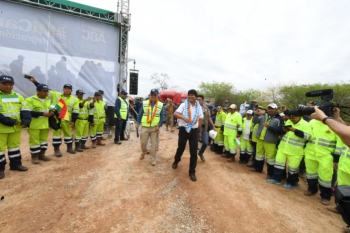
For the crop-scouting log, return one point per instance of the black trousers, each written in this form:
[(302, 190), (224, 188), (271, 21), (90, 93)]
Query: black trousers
[(253, 151), (192, 137), (326, 193), (119, 129)]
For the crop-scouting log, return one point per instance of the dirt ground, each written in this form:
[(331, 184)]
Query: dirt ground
[(110, 190)]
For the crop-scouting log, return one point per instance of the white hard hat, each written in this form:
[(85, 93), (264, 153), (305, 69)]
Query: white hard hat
[(233, 106), (212, 134)]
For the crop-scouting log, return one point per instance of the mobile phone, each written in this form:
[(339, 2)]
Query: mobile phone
[(28, 77)]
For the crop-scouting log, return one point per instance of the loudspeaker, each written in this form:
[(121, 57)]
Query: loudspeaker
[(134, 82)]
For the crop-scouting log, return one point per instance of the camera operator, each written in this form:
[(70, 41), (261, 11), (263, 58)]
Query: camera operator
[(343, 163)]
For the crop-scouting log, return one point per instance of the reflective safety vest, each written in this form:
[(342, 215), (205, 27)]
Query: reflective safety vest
[(11, 106), (124, 107), (36, 104), (156, 118), (321, 141), (264, 129), (84, 111), (54, 96), (292, 144), (244, 126), (233, 124), (344, 152), (98, 112), (220, 119), (254, 132)]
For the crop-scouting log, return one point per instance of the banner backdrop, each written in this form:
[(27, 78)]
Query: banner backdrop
[(56, 49)]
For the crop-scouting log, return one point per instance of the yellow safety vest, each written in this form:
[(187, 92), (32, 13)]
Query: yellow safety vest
[(84, 111), (233, 123), (99, 112), (156, 118), (10, 106), (220, 119), (35, 104)]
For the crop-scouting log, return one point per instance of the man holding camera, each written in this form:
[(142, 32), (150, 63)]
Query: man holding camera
[(39, 106), (14, 116)]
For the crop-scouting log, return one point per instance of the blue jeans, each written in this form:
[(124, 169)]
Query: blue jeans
[(119, 129), (205, 140)]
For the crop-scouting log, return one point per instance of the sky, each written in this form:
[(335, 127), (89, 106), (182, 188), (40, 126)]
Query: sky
[(249, 43)]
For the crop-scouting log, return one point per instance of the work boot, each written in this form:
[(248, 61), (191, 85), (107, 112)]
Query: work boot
[(43, 157), (201, 156), (142, 156), (82, 146), (153, 162), (232, 159), (77, 147), (309, 193), (325, 202), (2, 175), (57, 151), (35, 158), (70, 148), (93, 144), (19, 168), (99, 142), (333, 210)]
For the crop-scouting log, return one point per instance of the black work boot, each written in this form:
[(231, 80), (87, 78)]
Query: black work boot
[(2, 175), (57, 151), (77, 147), (43, 157), (18, 168), (70, 148), (232, 158), (220, 150), (82, 145), (35, 158)]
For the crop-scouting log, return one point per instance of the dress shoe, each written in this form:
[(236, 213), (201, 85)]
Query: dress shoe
[(201, 156), (253, 170), (309, 193), (124, 139), (250, 165), (118, 143), (193, 177), (2, 175), (174, 166), (19, 168), (333, 210)]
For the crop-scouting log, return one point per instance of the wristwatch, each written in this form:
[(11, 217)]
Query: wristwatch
[(325, 119)]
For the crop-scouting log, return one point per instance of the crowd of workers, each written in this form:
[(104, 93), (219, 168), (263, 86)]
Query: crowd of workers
[(283, 140)]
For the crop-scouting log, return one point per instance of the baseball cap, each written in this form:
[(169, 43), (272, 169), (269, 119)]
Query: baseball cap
[(42, 87), (233, 106), (254, 101), (155, 91), (79, 92), (97, 93), (250, 112), (273, 105), (6, 79), (123, 92), (68, 85), (260, 107)]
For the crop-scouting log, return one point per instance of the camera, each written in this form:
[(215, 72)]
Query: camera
[(325, 105)]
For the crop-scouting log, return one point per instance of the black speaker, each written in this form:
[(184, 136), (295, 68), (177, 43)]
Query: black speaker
[(134, 82)]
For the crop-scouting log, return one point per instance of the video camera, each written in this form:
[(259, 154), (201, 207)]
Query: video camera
[(325, 105)]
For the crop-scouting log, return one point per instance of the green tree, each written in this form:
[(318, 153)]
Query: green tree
[(220, 91)]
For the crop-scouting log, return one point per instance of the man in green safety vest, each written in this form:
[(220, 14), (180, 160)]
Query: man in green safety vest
[(232, 131), (121, 115), (219, 125), (14, 116), (97, 119), (82, 123), (151, 117), (39, 106)]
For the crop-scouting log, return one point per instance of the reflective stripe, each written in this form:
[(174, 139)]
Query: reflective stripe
[(11, 114), (328, 141), (280, 167), (327, 184), (13, 149), (326, 145), (234, 127), (296, 140), (259, 157), (11, 108), (271, 161), (15, 155), (295, 144), (2, 159)]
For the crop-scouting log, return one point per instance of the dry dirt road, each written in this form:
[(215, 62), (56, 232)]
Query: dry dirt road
[(110, 190)]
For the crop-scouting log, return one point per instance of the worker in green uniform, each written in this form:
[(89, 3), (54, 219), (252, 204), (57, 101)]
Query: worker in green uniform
[(39, 106), (14, 116), (82, 123), (99, 115)]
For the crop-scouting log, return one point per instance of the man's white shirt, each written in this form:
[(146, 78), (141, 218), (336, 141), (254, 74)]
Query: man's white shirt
[(181, 110)]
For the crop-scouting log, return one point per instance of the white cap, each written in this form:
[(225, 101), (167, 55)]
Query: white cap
[(273, 105), (212, 134), (233, 106), (249, 112)]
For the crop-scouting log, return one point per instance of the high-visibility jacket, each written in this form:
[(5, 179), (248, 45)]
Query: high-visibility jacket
[(98, 111), (11, 106), (321, 141), (244, 124), (220, 119), (38, 105), (343, 151), (54, 96), (72, 104), (84, 111), (156, 118), (233, 124), (124, 107), (254, 131), (292, 144)]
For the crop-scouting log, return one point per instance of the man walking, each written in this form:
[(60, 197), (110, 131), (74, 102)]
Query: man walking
[(121, 116), (190, 115), (151, 118), (204, 127)]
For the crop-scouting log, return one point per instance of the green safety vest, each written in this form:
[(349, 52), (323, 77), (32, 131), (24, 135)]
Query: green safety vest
[(254, 132), (233, 123), (292, 144), (98, 112), (156, 118), (35, 104), (84, 111), (244, 126), (11, 106), (220, 119), (321, 141), (54, 96), (344, 152), (123, 111), (264, 129)]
